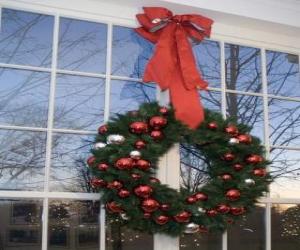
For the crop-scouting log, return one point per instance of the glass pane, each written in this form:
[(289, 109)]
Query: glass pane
[(26, 38), (79, 102), (286, 170), (22, 160), (283, 74), (243, 68), (130, 53), (248, 110), (284, 122), (24, 97), (126, 95), (249, 232), (285, 226), (21, 224), (201, 241), (211, 100), (82, 45), (69, 171), (207, 54), (118, 238), (73, 225)]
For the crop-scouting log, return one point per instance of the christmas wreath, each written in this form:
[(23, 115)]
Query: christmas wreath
[(124, 163)]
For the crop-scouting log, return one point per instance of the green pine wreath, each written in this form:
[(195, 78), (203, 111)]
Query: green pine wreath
[(125, 160)]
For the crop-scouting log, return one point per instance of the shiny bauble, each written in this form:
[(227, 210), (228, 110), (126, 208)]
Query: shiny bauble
[(183, 217), (226, 177), (138, 127), (143, 191), (124, 216), (140, 144), (228, 157), (260, 172), (238, 167), (201, 196), (150, 205), (154, 180), (223, 208), (163, 110), (254, 159), (249, 182), (123, 193), (157, 122), (99, 145), (124, 164), (134, 154), (191, 200), (233, 141), (212, 126), (212, 213), (98, 183), (191, 228), (233, 194), (164, 207), (115, 185), (232, 130), (102, 129), (91, 160), (114, 207), (162, 219), (102, 166), (157, 135), (244, 139), (237, 210), (115, 139), (143, 164), (136, 176)]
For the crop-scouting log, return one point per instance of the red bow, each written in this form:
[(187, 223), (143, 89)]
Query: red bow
[(173, 64)]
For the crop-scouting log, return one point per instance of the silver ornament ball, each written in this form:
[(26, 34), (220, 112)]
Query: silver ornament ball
[(115, 139), (233, 141), (136, 155), (250, 182), (99, 145), (191, 228), (201, 210), (124, 216)]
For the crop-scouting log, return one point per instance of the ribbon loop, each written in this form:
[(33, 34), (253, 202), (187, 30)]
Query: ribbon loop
[(173, 65)]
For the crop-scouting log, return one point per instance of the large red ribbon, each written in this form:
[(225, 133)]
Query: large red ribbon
[(173, 65)]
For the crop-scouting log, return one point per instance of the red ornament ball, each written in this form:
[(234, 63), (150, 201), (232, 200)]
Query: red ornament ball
[(211, 213), (233, 194), (138, 127), (163, 110), (203, 229), (254, 159), (123, 193), (150, 205), (136, 176), (114, 207), (237, 210), (244, 139), (115, 185), (223, 208), (164, 207), (228, 157), (154, 180), (157, 135), (201, 196), (124, 164), (212, 126), (183, 217), (143, 191), (140, 144), (260, 172), (102, 166), (95, 182), (232, 130), (143, 164), (162, 219), (158, 122), (191, 200), (91, 160), (147, 215), (102, 129), (238, 167), (226, 177)]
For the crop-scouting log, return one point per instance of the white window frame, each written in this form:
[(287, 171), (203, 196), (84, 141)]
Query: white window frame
[(160, 242)]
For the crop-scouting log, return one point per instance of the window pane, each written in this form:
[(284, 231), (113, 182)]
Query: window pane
[(286, 168), (22, 160), (126, 95), (21, 224), (79, 102), (118, 237), (249, 232), (285, 226), (201, 241), (211, 100), (130, 52), (24, 97), (243, 68), (82, 45), (74, 225), (26, 38), (283, 74), (248, 110), (284, 122), (69, 171), (207, 54)]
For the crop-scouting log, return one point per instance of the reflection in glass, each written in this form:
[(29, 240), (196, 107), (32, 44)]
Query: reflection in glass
[(130, 53), (121, 238), (284, 122), (21, 224), (24, 97), (69, 171), (203, 241), (243, 68), (82, 45), (283, 74), (79, 102), (285, 169), (22, 160), (74, 224), (285, 226), (126, 95), (249, 232), (207, 55), (247, 110), (26, 38)]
